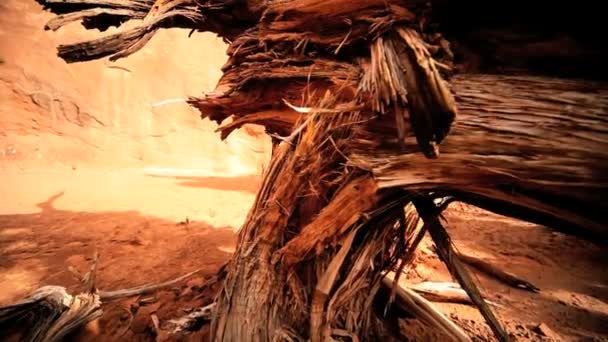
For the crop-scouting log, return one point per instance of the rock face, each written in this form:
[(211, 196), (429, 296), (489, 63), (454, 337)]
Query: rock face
[(111, 114)]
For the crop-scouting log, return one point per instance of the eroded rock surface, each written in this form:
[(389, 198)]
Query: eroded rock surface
[(103, 114)]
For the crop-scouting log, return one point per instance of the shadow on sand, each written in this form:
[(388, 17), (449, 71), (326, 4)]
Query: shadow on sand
[(37, 249)]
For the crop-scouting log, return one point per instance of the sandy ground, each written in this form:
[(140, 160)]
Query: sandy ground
[(572, 275), (51, 221), (169, 194), (111, 114), (91, 128)]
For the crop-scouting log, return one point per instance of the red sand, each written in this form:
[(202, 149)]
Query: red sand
[(38, 247), (80, 150)]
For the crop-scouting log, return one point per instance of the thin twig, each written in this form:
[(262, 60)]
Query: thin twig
[(343, 41), (295, 132), (110, 295), (118, 67), (491, 270)]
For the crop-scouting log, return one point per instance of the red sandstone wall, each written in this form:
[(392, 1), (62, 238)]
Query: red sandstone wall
[(100, 114)]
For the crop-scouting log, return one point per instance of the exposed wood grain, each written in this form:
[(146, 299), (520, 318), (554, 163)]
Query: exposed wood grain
[(332, 221), (499, 274), (49, 314), (530, 147), (64, 19)]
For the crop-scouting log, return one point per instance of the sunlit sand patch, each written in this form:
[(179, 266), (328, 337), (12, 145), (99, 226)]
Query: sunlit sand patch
[(15, 231), (18, 281), (126, 190), (171, 172), (20, 246), (226, 249)]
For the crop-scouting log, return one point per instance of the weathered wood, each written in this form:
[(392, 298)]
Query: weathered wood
[(423, 308), (64, 19), (445, 250), (49, 314), (535, 148), (493, 271), (101, 14), (122, 43), (253, 288), (190, 322), (141, 290), (529, 147), (442, 292), (322, 230), (129, 4), (517, 148)]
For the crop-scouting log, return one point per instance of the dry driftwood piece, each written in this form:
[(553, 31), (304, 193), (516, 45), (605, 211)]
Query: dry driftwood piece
[(154, 14), (442, 292), (190, 322), (505, 277), (446, 292), (426, 311), (144, 289), (49, 314), (360, 89)]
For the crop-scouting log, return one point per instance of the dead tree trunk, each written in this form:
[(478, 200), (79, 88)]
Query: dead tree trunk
[(533, 148), (329, 220)]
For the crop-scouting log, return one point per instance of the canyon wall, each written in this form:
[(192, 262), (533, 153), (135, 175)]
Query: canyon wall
[(112, 114)]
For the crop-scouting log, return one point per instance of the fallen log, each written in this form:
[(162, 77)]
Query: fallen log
[(528, 147), (534, 148)]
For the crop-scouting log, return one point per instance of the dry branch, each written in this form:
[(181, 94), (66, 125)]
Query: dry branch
[(445, 249), (64, 19), (144, 289), (319, 329), (49, 314), (427, 312), (503, 276), (190, 322), (123, 43), (442, 292), (101, 14)]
